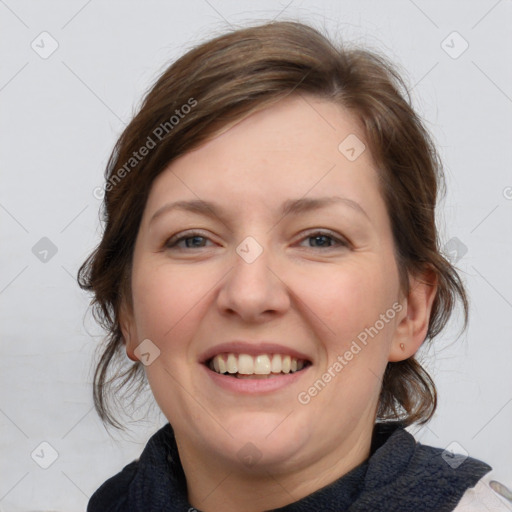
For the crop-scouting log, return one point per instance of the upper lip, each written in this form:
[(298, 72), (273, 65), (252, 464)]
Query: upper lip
[(252, 348)]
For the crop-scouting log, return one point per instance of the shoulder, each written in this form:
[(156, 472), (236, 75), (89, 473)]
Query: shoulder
[(112, 495), (156, 474), (487, 495), (404, 474)]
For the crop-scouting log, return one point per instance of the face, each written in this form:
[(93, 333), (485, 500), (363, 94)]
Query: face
[(264, 277)]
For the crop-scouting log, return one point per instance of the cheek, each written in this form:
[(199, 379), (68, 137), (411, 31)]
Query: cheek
[(167, 300), (349, 298), (169, 304), (356, 340)]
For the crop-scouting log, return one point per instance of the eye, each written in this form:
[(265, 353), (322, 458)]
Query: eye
[(323, 240), (190, 240), (197, 240)]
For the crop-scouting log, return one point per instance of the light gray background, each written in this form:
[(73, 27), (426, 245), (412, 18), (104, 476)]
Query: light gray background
[(60, 118)]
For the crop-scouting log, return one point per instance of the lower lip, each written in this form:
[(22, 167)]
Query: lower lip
[(254, 386)]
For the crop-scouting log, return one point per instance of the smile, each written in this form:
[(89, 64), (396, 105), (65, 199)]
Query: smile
[(261, 366)]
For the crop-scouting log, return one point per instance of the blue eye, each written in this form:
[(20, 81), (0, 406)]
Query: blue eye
[(190, 241), (321, 240), (315, 240)]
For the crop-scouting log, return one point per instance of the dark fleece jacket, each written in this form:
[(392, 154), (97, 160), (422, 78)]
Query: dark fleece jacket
[(400, 475)]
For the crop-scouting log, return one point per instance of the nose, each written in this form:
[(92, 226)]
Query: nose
[(253, 291)]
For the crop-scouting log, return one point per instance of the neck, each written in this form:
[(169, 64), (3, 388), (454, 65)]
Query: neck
[(230, 487)]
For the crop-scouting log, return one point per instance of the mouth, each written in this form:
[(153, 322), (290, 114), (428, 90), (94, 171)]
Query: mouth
[(257, 367)]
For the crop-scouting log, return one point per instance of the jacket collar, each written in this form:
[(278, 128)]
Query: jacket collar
[(400, 474)]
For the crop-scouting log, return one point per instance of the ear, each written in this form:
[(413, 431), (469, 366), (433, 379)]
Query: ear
[(127, 325), (412, 327)]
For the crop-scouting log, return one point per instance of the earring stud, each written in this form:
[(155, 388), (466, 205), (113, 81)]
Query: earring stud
[(402, 346)]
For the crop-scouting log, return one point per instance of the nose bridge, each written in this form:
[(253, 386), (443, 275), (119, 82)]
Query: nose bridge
[(252, 288)]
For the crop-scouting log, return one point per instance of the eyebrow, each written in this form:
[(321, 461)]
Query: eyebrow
[(291, 206)]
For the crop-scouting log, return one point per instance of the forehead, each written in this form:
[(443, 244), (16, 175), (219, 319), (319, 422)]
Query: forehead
[(300, 146)]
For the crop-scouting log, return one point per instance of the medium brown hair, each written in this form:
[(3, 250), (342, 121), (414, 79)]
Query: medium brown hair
[(225, 80)]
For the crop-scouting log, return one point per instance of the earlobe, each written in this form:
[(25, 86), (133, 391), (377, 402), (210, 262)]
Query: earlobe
[(412, 328), (130, 351), (126, 325)]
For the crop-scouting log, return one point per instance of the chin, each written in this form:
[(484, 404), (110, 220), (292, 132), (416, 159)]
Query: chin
[(261, 440)]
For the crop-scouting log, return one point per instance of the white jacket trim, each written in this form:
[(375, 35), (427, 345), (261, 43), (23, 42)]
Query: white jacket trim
[(488, 495)]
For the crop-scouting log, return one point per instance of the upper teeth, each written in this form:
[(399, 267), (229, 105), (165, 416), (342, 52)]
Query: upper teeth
[(262, 364)]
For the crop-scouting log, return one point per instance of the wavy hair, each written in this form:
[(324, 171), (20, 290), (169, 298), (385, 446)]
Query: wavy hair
[(230, 77)]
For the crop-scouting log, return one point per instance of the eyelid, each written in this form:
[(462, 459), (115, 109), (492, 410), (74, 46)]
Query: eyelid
[(343, 241), (190, 233)]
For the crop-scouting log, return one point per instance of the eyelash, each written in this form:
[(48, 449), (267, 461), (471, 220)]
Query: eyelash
[(173, 242)]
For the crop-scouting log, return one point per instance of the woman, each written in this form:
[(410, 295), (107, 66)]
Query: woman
[(270, 262)]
